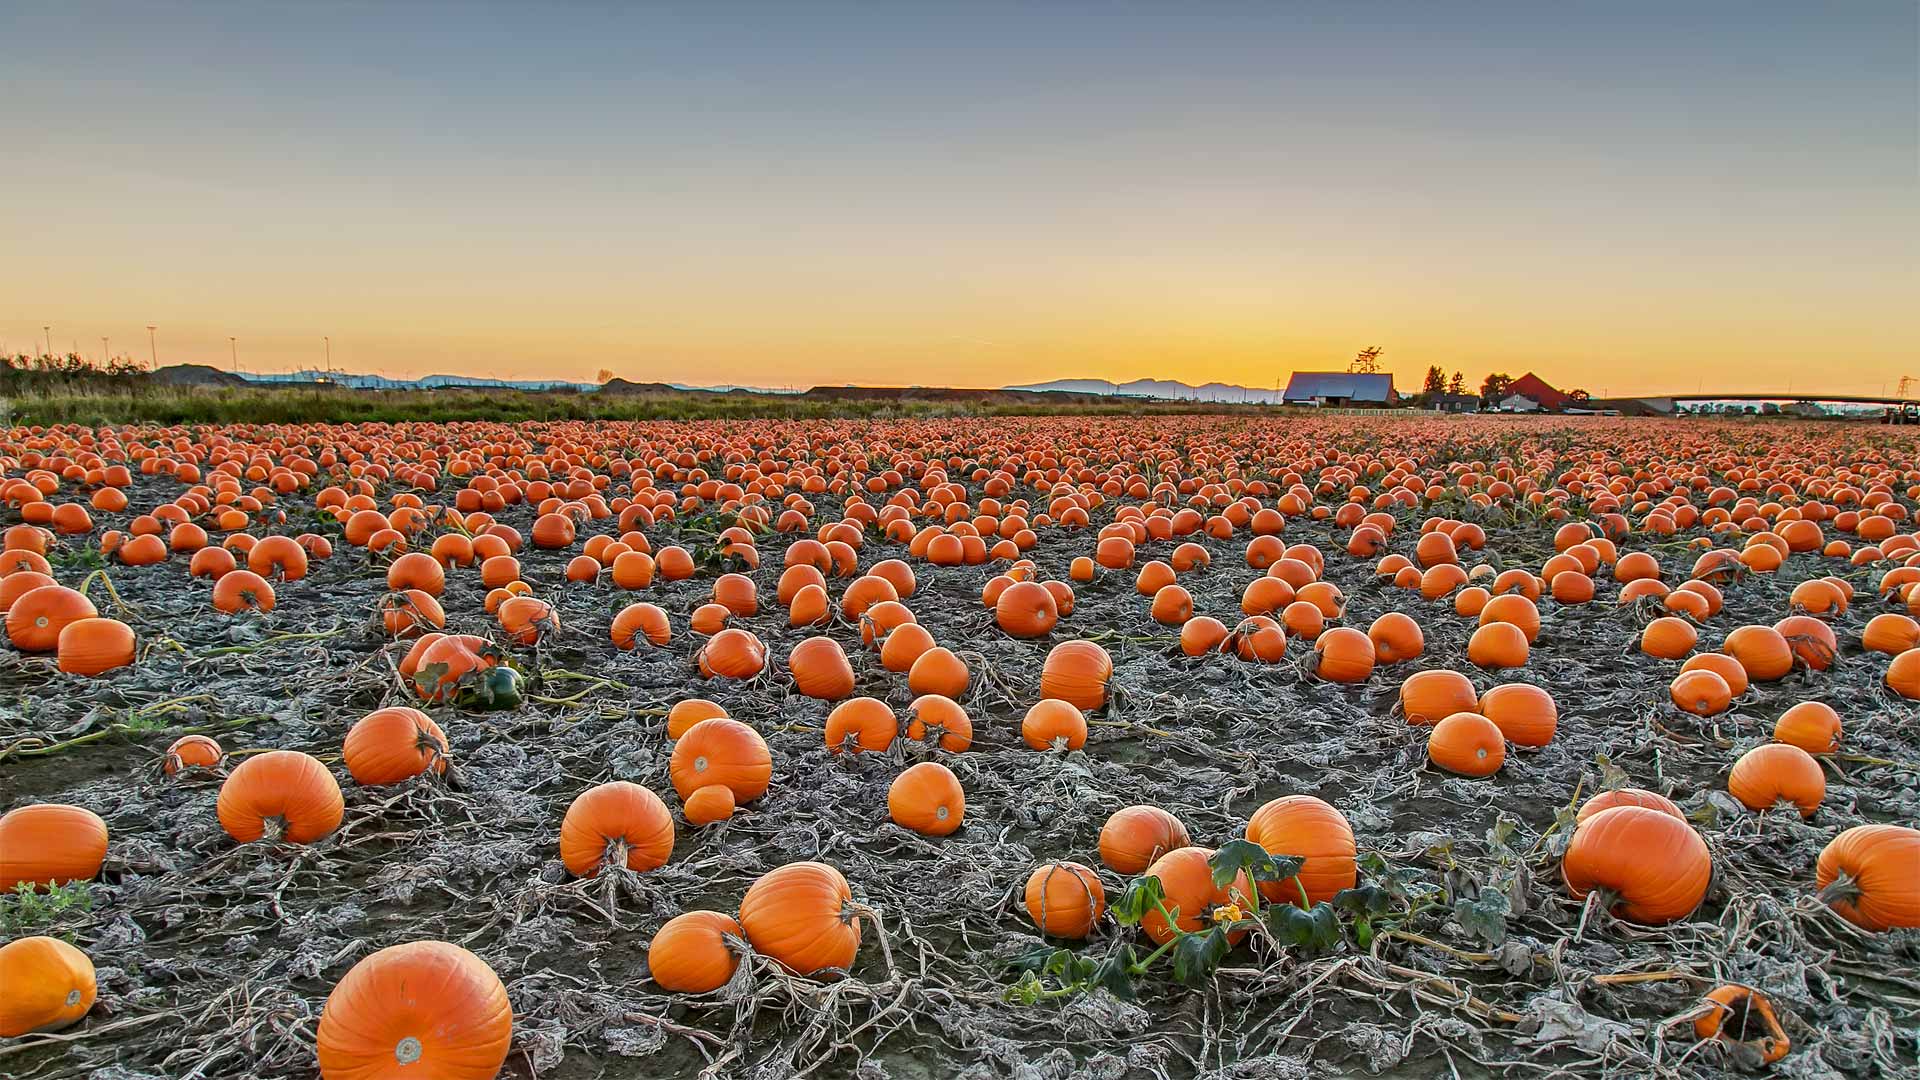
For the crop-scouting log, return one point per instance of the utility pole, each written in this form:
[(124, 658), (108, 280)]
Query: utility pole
[(48, 330), (153, 347), (233, 344), (106, 354), (328, 342)]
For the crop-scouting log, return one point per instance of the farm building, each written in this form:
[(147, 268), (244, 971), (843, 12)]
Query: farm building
[(1453, 403), (1339, 388), (1518, 403), (1543, 395)]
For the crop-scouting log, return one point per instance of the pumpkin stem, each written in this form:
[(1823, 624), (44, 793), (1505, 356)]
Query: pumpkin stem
[(1594, 899), (854, 909), (612, 866), (1842, 889)]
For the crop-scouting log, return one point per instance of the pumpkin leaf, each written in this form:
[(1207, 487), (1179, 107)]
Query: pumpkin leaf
[(1317, 930), (1142, 895), (1484, 916), (1197, 956), (1114, 974), (1395, 880), (1236, 857), (428, 677), (1611, 776), (1370, 901), (1503, 829)]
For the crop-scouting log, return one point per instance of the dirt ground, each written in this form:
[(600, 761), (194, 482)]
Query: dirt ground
[(214, 959)]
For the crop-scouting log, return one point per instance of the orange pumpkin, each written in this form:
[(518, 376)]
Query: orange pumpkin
[(1650, 866), (1077, 672), (1468, 744), (284, 794), (393, 744), (1306, 828), (802, 915), (45, 985), (1052, 722), (940, 717), (95, 646), (1773, 772), (690, 955), (617, 821), (928, 799), (719, 750), (1812, 726), (46, 844), (1526, 715), (1065, 899), (820, 669), (1866, 874), (36, 617), (428, 1004), (1135, 836)]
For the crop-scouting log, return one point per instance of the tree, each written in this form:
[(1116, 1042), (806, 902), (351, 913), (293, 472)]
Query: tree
[(606, 376), (1367, 361), (1495, 386), (1579, 397), (1436, 381), (1457, 384)]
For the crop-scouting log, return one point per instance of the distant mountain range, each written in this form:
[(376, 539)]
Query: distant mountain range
[(206, 375), (1161, 388)]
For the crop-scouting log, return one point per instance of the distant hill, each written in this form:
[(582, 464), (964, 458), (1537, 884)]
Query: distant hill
[(1159, 388), (196, 375)]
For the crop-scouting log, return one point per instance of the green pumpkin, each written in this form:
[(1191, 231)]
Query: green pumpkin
[(497, 688)]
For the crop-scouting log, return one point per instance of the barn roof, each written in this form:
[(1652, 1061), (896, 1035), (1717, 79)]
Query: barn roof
[(1535, 387), (1354, 386)]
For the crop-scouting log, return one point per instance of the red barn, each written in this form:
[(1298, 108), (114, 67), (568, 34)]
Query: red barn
[(1533, 386)]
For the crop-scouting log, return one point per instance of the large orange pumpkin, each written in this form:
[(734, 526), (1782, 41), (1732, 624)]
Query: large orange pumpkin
[(1077, 672), (690, 954), (802, 915), (425, 1008), (719, 750), (616, 820), (1868, 875), (46, 844), (45, 985), (393, 744), (1652, 864), (1304, 827), (283, 792)]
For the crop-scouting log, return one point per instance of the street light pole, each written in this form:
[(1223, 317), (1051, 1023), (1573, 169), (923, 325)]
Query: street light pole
[(233, 343), (48, 330), (153, 347)]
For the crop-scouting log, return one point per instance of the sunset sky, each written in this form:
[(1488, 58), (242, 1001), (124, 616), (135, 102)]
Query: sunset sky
[(1630, 197)]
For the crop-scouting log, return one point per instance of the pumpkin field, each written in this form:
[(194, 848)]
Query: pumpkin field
[(1024, 747)]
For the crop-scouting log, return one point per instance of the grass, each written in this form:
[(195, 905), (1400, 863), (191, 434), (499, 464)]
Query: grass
[(42, 390)]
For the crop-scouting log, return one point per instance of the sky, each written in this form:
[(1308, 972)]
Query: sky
[(1628, 197)]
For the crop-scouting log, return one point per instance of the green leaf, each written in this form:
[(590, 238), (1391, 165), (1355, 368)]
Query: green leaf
[(1394, 879), (1197, 956), (1236, 857), (1142, 895), (1113, 974), (1485, 916), (1314, 930), (1370, 901)]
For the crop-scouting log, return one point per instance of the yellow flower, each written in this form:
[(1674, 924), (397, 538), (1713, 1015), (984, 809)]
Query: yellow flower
[(1227, 913)]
